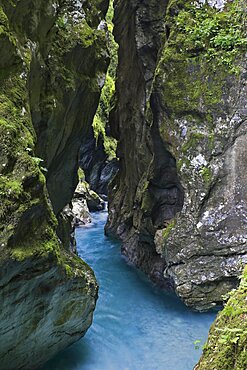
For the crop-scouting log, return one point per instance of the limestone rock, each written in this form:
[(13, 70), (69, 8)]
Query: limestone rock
[(139, 31), (80, 212), (46, 305), (93, 200)]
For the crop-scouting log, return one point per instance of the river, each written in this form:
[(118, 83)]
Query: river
[(136, 326)]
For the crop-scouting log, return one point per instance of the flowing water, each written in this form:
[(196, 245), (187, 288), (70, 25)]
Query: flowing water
[(136, 326)]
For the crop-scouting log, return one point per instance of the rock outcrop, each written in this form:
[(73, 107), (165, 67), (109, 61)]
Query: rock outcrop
[(226, 348), (53, 63), (179, 200), (93, 201)]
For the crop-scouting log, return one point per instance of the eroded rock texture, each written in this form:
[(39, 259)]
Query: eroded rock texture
[(139, 30), (179, 200), (53, 60), (99, 169)]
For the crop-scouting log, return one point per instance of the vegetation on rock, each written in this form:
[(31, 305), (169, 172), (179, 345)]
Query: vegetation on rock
[(49, 92), (101, 119), (218, 35), (226, 348)]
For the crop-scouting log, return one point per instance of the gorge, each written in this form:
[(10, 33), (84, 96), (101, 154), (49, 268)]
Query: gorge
[(136, 326), (170, 140)]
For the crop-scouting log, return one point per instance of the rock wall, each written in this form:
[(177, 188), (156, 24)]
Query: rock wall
[(97, 155), (179, 200), (53, 62), (98, 166), (139, 31)]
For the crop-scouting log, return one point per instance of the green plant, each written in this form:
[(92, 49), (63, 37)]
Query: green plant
[(197, 344), (218, 35)]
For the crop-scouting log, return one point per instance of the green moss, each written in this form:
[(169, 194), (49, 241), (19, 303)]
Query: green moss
[(72, 33), (102, 116), (11, 188), (194, 140), (110, 146), (206, 174), (27, 222), (168, 229), (24, 207), (3, 18), (39, 248), (184, 161), (189, 87), (81, 175), (226, 348), (69, 271), (98, 127), (218, 36), (195, 50)]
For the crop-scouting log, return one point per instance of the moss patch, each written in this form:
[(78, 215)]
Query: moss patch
[(168, 229), (226, 348), (217, 35)]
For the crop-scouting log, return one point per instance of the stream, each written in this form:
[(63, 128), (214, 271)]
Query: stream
[(136, 326)]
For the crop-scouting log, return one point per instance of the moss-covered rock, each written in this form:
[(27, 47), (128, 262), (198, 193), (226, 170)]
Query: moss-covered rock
[(180, 119), (98, 156), (226, 348), (200, 91), (53, 59), (139, 32)]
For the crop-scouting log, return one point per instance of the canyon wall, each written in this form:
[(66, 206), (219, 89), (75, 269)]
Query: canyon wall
[(179, 201), (52, 69)]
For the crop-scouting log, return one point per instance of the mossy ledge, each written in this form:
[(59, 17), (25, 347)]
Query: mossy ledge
[(49, 95)]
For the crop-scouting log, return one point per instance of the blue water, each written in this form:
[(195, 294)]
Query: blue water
[(136, 326)]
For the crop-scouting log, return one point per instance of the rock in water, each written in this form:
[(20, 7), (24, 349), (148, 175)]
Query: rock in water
[(179, 200), (53, 59), (93, 200), (81, 212)]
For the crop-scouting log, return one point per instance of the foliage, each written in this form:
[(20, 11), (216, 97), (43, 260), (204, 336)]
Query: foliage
[(219, 35), (101, 118), (226, 348)]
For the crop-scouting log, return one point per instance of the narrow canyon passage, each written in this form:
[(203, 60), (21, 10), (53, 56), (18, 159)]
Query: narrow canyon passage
[(135, 327)]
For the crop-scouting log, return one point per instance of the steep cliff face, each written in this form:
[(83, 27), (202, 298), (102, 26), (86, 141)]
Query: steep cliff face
[(97, 155), (179, 201), (139, 31), (51, 71), (98, 164)]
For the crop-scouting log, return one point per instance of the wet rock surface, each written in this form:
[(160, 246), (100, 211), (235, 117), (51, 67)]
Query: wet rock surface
[(98, 168)]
